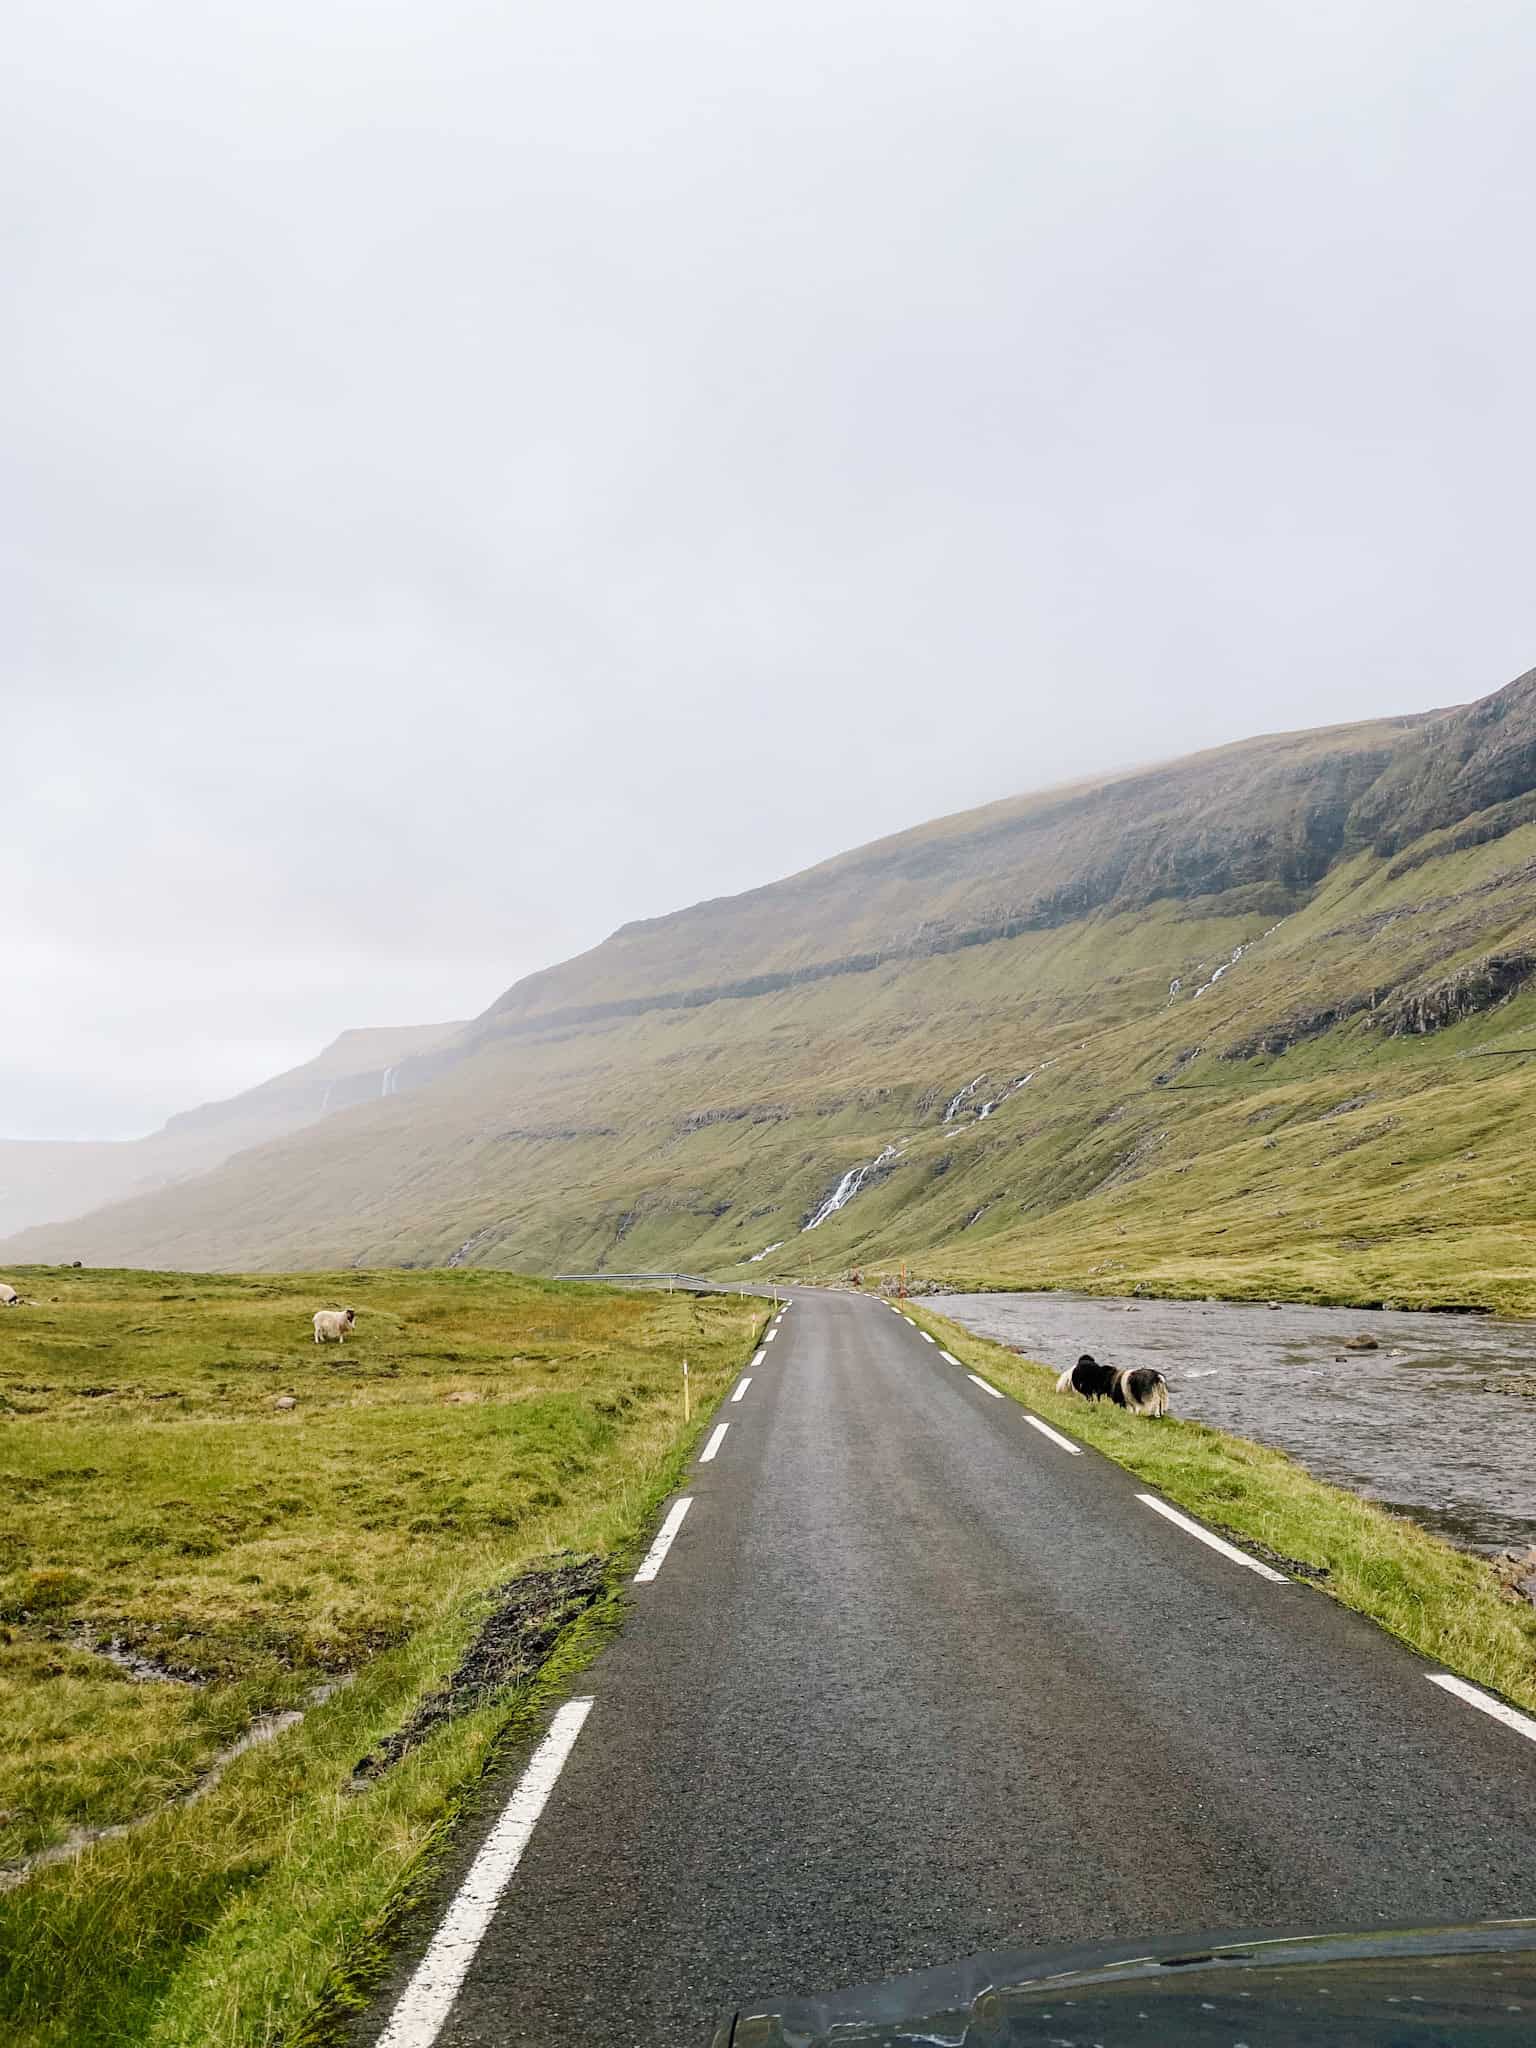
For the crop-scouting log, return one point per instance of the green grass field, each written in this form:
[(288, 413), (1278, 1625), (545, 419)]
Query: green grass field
[(331, 1559)]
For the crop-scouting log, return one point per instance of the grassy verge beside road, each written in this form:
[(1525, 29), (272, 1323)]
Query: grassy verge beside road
[(1445, 1602), (180, 1557)]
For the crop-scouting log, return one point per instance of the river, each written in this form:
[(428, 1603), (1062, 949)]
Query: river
[(1438, 1424)]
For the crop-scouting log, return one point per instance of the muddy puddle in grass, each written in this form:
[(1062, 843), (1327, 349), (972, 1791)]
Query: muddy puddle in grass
[(1438, 1423)]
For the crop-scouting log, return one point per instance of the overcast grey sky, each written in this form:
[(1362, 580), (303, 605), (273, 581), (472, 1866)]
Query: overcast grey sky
[(478, 473)]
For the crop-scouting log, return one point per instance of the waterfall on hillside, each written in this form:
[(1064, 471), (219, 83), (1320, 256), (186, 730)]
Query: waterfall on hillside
[(1237, 955), (1227, 965), (1013, 1088), (969, 1089), (848, 1187)]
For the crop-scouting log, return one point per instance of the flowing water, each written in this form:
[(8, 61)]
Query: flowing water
[(1439, 1423)]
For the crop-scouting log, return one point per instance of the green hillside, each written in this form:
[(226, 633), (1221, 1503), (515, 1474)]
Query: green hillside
[(1324, 1117)]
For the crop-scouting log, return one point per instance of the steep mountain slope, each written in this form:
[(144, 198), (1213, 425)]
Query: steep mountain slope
[(45, 1182), (1201, 1026)]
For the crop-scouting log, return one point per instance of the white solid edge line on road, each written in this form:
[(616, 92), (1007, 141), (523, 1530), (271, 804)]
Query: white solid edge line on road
[(980, 1382), (1161, 1507), (742, 1388), (1474, 1697), (428, 1998), (949, 1358), (1055, 1435), (759, 1355), (656, 1555), (716, 1440)]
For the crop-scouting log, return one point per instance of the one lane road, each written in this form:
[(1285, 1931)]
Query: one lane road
[(914, 1681)]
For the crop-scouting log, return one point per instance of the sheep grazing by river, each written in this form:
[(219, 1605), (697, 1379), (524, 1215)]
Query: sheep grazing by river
[(333, 1324), (1093, 1381), (1141, 1390)]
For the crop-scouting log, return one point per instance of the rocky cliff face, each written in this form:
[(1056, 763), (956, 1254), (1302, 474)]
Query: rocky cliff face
[(1262, 822), (1482, 985), (1455, 767)]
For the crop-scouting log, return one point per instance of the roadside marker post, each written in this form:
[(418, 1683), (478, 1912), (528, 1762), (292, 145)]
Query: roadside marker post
[(687, 1399)]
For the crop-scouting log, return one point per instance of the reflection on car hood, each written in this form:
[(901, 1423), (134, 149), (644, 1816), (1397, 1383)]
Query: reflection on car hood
[(1445, 1987)]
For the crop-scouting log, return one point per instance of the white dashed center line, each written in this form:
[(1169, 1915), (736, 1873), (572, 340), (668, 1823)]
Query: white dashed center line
[(1055, 1435), (759, 1355), (949, 1358), (977, 1379), (655, 1557), (1485, 1703), (715, 1441), (925, 1337), (771, 1335), (426, 2001), (1254, 1564), (742, 1388)]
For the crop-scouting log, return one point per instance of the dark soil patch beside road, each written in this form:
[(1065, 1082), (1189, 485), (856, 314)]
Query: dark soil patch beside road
[(530, 1613)]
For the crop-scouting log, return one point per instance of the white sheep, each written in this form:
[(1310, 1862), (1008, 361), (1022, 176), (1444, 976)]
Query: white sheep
[(9, 1298), (333, 1322)]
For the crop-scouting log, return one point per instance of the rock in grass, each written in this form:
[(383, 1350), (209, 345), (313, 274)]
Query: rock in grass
[(1516, 1572), (285, 1401)]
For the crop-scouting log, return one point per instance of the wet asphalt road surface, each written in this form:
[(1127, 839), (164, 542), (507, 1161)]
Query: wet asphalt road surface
[(913, 1682)]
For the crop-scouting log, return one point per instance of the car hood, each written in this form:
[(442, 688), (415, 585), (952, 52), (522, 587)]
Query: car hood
[(1444, 1987)]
